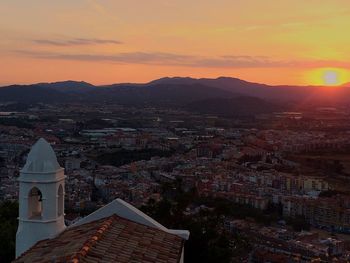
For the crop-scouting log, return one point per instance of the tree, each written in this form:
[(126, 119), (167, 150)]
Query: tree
[(328, 193), (8, 228), (299, 223), (208, 242)]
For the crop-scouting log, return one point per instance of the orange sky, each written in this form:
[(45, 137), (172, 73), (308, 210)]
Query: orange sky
[(108, 41)]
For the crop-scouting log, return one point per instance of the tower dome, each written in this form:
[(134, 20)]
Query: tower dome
[(41, 197), (41, 158)]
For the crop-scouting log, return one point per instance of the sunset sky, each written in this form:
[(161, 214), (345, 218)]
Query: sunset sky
[(109, 41)]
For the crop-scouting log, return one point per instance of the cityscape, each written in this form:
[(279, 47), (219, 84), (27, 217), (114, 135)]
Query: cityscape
[(167, 150), (282, 176)]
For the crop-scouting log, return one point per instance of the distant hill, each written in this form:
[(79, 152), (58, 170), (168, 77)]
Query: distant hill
[(239, 86), (157, 94), (127, 94), (69, 86), (174, 92), (30, 94), (304, 95)]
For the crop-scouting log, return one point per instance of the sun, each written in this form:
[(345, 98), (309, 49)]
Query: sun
[(331, 78), (328, 76)]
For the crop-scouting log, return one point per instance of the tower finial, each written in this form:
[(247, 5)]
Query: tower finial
[(41, 158)]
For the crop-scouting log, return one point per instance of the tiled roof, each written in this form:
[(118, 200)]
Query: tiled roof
[(111, 239)]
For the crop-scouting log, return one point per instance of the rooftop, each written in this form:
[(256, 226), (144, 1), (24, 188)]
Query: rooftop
[(110, 239)]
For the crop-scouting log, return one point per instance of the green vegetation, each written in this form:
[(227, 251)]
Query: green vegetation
[(299, 223), (227, 208), (94, 124), (208, 241), (20, 123), (329, 193), (8, 228), (123, 156), (16, 107), (247, 158)]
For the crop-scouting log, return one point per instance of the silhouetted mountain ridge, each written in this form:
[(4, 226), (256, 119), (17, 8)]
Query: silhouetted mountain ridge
[(31, 94), (177, 92), (69, 86), (320, 95), (157, 94)]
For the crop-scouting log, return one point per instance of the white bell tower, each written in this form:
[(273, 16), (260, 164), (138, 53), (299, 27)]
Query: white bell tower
[(41, 197)]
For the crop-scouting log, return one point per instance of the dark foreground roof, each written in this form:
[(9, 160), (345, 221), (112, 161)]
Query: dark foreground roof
[(111, 239)]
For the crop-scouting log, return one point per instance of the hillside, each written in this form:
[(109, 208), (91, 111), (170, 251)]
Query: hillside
[(174, 92), (283, 93)]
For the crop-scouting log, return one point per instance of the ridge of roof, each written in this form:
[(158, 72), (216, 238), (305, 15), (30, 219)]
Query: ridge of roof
[(93, 240), (127, 211)]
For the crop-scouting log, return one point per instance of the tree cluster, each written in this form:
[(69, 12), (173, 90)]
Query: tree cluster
[(8, 228)]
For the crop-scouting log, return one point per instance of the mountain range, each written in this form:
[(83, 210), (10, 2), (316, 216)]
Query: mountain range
[(217, 96)]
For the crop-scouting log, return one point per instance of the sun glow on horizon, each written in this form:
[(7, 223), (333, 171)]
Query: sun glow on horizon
[(328, 76)]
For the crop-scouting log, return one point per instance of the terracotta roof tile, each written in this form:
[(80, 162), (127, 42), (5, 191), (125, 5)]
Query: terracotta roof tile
[(111, 239)]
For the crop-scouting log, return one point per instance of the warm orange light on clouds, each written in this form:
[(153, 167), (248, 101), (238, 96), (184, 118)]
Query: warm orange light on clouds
[(106, 41)]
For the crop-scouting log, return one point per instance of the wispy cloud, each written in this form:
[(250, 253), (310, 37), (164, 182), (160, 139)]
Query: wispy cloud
[(241, 62), (75, 41), (171, 59), (132, 57)]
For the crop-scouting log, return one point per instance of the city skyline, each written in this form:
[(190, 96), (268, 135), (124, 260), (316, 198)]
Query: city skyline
[(175, 131), (103, 42)]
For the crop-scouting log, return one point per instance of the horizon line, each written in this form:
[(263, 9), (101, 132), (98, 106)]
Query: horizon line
[(166, 77)]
